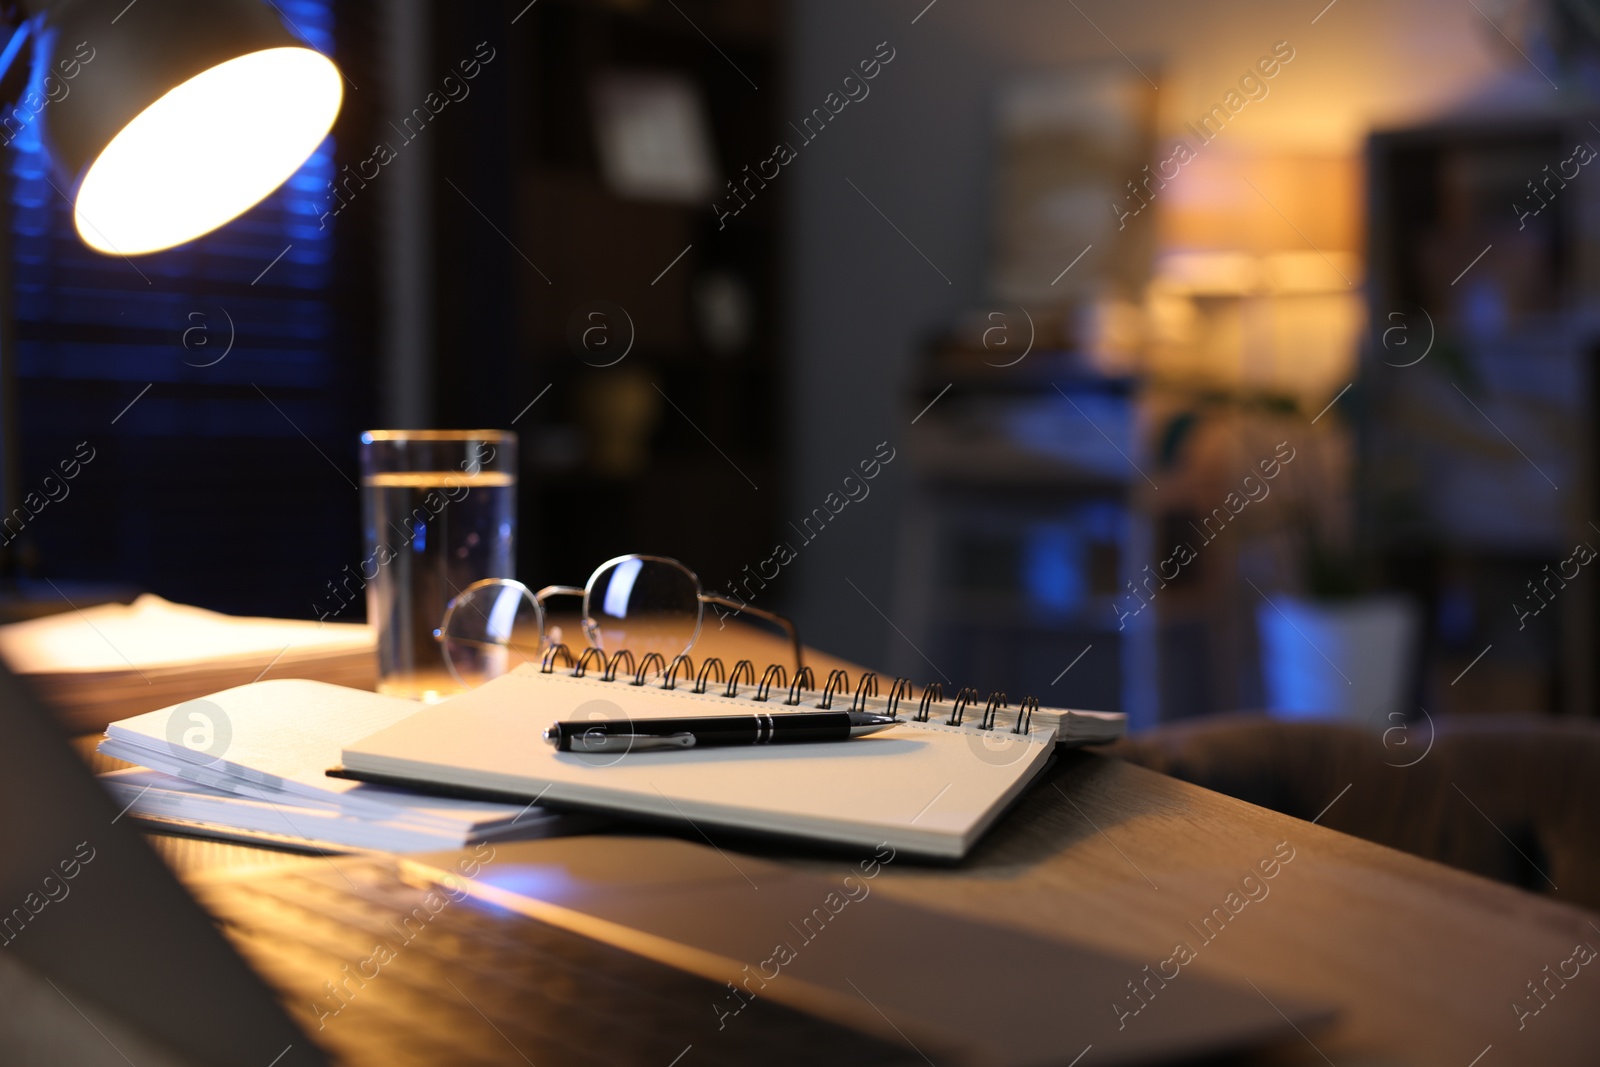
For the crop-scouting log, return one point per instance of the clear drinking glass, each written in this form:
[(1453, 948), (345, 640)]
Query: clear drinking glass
[(439, 511)]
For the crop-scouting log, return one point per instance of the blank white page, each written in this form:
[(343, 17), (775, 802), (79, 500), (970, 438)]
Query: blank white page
[(923, 787)]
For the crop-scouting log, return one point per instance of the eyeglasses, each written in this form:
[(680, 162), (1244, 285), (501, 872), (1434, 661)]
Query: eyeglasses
[(646, 604)]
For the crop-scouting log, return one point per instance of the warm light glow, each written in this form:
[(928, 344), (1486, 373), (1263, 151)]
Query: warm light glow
[(208, 151)]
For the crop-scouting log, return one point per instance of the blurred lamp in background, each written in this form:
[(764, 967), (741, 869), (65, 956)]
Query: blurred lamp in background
[(163, 120), (180, 115)]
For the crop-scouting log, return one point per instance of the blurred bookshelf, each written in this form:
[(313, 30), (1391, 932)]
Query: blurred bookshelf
[(1478, 461), (655, 326), (1022, 525)]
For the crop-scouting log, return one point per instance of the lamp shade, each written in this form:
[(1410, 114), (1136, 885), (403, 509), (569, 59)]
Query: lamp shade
[(181, 116)]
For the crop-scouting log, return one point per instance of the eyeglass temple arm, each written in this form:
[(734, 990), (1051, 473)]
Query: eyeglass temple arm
[(771, 616)]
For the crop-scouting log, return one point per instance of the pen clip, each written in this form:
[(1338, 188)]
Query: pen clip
[(600, 741)]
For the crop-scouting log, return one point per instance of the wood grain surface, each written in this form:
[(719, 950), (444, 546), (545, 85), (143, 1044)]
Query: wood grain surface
[(1422, 964)]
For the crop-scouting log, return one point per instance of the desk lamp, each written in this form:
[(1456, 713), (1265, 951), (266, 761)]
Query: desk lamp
[(180, 115), (163, 119)]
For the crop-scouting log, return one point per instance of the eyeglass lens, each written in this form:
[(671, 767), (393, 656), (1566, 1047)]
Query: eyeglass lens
[(491, 628), (644, 605)]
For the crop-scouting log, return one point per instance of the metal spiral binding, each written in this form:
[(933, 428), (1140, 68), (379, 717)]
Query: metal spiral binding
[(583, 661), (963, 698), (828, 690), (764, 689), (869, 681), (705, 669), (1025, 710), (802, 677), (744, 667), (902, 687), (550, 658), (644, 667), (776, 675), (610, 674), (670, 679)]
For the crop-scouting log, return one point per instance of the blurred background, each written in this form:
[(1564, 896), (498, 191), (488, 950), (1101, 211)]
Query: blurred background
[(1170, 358)]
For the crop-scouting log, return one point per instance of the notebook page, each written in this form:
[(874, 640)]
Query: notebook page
[(924, 787), (280, 737)]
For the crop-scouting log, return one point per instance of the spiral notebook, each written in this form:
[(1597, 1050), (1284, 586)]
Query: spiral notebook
[(930, 786)]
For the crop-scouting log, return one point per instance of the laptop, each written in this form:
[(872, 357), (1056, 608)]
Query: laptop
[(609, 949)]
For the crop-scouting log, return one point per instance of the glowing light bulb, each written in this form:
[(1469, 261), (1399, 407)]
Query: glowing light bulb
[(208, 151)]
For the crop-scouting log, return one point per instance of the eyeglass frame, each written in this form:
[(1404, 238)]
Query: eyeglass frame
[(591, 628)]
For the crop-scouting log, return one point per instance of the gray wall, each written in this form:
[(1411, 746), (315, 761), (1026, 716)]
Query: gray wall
[(861, 298)]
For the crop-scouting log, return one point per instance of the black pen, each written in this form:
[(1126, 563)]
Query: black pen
[(616, 735)]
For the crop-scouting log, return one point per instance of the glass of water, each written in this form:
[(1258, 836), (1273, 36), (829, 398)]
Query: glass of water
[(439, 510)]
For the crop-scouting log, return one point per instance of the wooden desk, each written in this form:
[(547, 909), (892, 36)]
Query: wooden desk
[(1422, 962)]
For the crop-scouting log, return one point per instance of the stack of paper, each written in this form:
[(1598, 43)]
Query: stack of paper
[(115, 660), (250, 762)]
